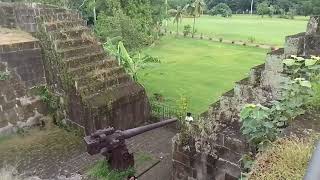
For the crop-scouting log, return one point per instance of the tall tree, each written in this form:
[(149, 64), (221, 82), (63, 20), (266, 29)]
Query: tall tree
[(178, 17), (195, 9)]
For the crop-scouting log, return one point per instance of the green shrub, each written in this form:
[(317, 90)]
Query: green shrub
[(221, 9), (187, 30), (101, 170), (133, 32), (257, 124), (261, 124), (4, 76)]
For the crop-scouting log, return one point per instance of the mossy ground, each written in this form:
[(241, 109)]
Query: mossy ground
[(40, 152)]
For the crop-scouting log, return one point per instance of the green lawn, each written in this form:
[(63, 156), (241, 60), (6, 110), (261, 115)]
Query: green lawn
[(241, 27), (197, 69)]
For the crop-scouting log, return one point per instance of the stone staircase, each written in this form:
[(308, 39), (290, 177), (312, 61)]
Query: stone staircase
[(102, 88)]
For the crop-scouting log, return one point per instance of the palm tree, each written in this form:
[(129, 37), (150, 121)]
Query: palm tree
[(178, 17), (195, 9)]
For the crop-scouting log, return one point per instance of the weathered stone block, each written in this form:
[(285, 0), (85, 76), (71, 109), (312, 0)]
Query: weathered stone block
[(312, 45), (255, 74), (294, 45), (182, 158), (274, 60), (180, 171), (313, 26)]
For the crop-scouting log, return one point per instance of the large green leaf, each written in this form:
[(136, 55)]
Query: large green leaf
[(305, 83), (289, 62), (310, 62)]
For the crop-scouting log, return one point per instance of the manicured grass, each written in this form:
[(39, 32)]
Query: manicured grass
[(265, 30), (200, 70)]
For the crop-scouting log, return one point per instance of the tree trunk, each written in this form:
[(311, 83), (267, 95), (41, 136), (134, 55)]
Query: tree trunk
[(94, 13), (194, 23), (177, 29), (251, 7)]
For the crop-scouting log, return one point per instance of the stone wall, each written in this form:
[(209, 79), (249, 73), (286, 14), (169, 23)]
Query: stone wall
[(25, 58), (23, 15), (7, 16), (17, 108), (227, 143)]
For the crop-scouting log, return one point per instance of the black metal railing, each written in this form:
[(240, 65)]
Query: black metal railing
[(161, 111)]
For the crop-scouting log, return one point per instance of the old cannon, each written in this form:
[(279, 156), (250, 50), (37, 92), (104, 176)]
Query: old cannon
[(111, 143)]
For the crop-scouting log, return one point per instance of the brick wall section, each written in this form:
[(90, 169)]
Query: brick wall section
[(26, 59)]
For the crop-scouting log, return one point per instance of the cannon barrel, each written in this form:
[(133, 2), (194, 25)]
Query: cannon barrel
[(139, 130)]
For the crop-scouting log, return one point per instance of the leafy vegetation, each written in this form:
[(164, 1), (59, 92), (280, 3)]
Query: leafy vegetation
[(302, 7), (4, 75), (221, 9), (101, 171), (186, 30), (48, 98), (261, 123), (133, 63), (194, 9)]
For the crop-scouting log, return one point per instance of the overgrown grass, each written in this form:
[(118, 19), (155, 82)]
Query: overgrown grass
[(141, 158), (101, 171), (245, 27), (197, 69), (286, 159)]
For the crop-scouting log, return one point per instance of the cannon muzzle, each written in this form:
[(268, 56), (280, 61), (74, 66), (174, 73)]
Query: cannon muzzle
[(139, 130)]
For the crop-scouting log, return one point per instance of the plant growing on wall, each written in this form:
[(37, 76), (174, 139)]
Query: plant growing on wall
[(49, 98), (132, 63), (4, 76), (257, 125), (262, 124)]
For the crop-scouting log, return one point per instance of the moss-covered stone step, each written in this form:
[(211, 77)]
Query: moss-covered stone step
[(64, 16), (79, 51), (121, 94), (51, 11), (94, 67), (53, 26), (63, 44), (71, 33), (78, 61), (99, 74), (100, 85)]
